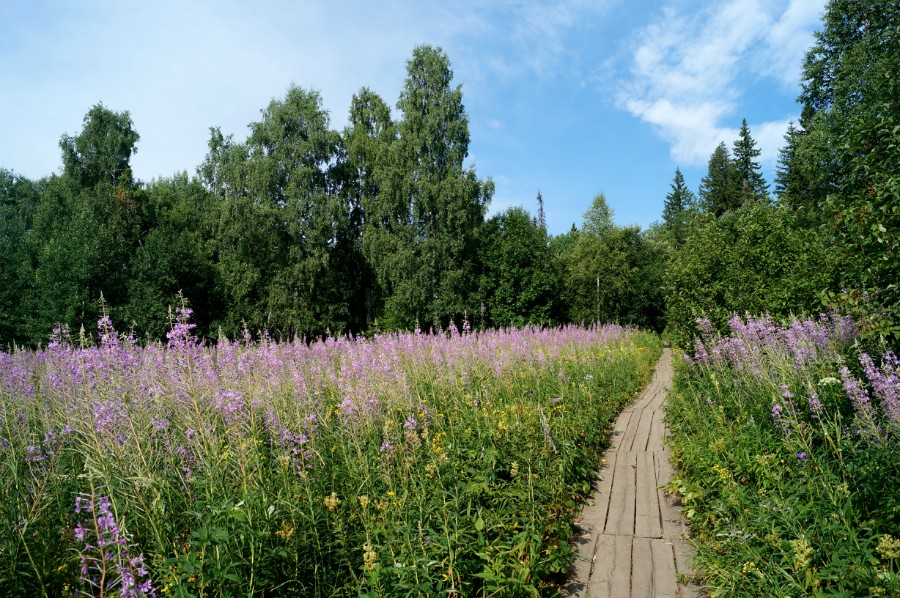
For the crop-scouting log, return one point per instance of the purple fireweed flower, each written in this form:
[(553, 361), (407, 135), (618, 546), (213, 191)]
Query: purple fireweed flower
[(230, 405), (180, 334), (411, 423), (701, 355), (106, 564), (110, 421), (815, 406), (348, 408), (859, 397), (109, 338), (33, 454), (59, 339), (705, 327), (387, 448), (885, 383)]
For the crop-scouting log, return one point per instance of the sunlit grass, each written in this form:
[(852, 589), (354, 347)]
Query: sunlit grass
[(408, 464), (788, 443)]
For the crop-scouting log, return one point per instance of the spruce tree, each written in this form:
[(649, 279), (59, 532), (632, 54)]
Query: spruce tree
[(677, 204), (791, 187), (542, 217), (751, 184), (719, 189)]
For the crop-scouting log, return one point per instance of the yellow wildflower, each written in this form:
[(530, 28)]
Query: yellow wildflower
[(803, 553), (370, 557), (332, 502), (286, 532), (888, 547)]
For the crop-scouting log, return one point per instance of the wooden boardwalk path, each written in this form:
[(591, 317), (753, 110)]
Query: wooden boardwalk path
[(631, 542)]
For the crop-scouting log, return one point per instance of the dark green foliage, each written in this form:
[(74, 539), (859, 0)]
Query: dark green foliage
[(431, 206), (851, 154), (86, 226), (596, 268), (787, 482), (610, 273), (368, 140), (754, 260), (791, 187), (720, 189), (749, 179), (518, 284), (102, 152), (18, 198), (285, 244), (174, 256), (678, 209)]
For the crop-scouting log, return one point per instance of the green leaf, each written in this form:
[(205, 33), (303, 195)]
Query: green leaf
[(479, 523)]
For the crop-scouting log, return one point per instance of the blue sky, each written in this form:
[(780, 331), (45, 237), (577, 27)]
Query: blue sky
[(571, 97)]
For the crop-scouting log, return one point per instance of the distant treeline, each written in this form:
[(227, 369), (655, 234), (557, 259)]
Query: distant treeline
[(303, 230)]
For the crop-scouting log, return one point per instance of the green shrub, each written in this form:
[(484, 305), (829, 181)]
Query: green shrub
[(788, 448)]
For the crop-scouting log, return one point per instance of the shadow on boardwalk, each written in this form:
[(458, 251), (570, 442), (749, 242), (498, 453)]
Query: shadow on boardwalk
[(631, 536)]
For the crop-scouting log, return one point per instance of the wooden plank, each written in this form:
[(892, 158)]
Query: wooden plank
[(665, 583), (611, 577), (596, 513), (642, 434), (657, 431), (619, 430), (586, 545), (647, 522), (674, 529), (620, 518), (631, 537), (628, 438), (653, 569), (650, 392)]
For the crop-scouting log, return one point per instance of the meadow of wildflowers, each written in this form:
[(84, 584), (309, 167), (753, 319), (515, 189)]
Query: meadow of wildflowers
[(787, 439), (403, 465)]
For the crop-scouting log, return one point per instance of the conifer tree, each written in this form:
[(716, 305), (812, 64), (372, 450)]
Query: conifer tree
[(675, 209), (751, 184), (791, 187), (542, 217), (719, 191)]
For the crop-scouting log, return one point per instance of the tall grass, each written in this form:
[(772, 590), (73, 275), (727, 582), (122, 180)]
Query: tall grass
[(788, 443), (406, 465)]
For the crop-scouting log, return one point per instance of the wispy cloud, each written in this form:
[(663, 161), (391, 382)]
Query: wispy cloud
[(180, 68), (689, 71)]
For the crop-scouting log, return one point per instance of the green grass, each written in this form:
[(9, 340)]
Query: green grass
[(409, 465), (787, 442)]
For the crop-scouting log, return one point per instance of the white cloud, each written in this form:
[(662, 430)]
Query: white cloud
[(689, 73), (769, 137), (788, 39), (180, 68)]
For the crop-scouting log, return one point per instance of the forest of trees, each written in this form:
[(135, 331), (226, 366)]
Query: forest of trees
[(303, 230)]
